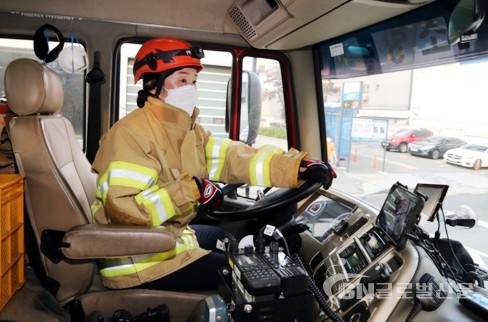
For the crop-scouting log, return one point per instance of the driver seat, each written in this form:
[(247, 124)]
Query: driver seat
[(59, 189)]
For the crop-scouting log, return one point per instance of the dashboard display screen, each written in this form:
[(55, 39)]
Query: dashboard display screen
[(435, 194), (374, 244), (353, 259), (353, 263), (400, 211)]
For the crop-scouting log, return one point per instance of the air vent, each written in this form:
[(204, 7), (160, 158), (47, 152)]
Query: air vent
[(356, 226), (242, 23)]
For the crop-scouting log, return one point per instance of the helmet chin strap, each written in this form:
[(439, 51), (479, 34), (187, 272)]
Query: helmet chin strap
[(159, 96), (160, 82), (150, 85)]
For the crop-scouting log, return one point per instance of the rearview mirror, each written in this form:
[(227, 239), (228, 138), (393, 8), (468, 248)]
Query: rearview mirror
[(464, 20)]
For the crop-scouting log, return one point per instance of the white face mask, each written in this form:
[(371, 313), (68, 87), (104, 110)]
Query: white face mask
[(73, 59), (184, 97)]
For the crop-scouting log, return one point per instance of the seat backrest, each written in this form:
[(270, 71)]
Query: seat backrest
[(59, 184)]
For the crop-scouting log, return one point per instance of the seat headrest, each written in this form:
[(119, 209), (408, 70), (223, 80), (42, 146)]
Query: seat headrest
[(32, 88)]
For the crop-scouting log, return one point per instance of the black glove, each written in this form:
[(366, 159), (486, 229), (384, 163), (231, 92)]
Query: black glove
[(317, 171), (211, 195)]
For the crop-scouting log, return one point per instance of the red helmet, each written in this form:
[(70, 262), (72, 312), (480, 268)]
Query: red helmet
[(160, 54)]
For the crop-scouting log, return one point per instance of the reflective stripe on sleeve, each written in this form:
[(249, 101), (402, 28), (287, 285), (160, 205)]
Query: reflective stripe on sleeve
[(260, 164), (158, 202), (125, 174), (215, 152), (97, 205), (132, 265)]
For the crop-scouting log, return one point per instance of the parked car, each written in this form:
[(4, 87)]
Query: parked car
[(399, 140), (434, 146), (470, 155)]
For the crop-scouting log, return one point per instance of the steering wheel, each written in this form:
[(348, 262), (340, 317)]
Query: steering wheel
[(273, 202)]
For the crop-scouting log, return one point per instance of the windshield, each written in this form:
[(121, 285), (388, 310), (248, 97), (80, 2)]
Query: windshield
[(404, 74), (402, 133), (434, 139), (473, 147)]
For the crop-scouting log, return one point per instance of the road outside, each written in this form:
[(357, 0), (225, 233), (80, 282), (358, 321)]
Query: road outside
[(370, 172)]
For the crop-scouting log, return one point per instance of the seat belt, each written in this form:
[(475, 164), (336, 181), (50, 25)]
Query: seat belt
[(95, 78)]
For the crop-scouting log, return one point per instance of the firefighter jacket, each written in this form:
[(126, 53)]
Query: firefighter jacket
[(145, 166)]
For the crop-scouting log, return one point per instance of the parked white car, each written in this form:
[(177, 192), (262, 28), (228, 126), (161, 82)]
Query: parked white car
[(470, 155)]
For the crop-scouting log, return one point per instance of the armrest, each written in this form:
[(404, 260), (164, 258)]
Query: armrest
[(103, 241)]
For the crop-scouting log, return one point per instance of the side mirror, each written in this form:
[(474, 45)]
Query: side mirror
[(464, 20), (250, 107), (464, 216)]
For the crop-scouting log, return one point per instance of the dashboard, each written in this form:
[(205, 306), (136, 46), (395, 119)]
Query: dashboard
[(359, 270), (351, 262)]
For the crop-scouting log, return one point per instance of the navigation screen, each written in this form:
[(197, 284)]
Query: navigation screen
[(399, 213), (436, 194)]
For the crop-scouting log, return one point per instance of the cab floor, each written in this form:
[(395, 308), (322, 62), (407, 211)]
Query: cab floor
[(33, 303)]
